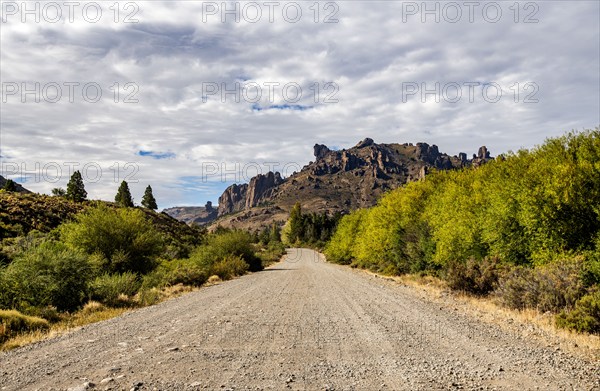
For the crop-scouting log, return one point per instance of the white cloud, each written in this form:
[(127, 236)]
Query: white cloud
[(370, 54)]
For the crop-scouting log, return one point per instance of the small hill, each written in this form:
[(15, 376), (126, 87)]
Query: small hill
[(19, 188), (21, 213)]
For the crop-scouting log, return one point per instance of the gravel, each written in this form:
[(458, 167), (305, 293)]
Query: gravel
[(302, 324)]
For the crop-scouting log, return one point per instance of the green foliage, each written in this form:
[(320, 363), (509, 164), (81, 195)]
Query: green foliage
[(523, 209), (533, 212), (123, 196), (228, 267), (221, 245), (75, 188), (148, 200), (340, 248), (311, 228), (295, 223), (13, 322), (50, 274), (270, 234), (113, 289), (180, 271), (123, 238), (21, 213), (10, 185), (59, 192), (585, 317)]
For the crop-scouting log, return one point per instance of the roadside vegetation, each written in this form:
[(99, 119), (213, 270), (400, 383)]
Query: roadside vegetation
[(523, 229), (65, 262), (309, 229)]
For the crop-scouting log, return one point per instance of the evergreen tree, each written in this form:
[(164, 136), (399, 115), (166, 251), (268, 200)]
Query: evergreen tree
[(59, 192), (148, 201), (275, 233), (10, 185), (75, 188), (123, 196)]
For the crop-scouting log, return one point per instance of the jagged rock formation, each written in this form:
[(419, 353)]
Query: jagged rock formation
[(261, 188), (320, 151), (233, 199), (337, 181), (239, 197)]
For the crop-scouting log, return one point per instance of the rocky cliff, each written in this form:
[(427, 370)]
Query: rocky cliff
[(239, 197)]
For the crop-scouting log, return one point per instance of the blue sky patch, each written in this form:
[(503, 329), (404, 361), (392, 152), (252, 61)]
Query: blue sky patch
[(157, 155), (256, 107)]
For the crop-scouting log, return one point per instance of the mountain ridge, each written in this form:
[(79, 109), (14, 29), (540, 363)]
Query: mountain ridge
[(336, 181)]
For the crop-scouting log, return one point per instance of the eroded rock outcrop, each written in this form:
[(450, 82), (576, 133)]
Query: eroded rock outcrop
[(233, 199), (320, 151), (260, 187), (239, 197)]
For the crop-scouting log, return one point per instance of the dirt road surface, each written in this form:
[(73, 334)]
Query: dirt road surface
[(302, 324)]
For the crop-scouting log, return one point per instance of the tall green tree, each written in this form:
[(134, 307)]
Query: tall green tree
[(148, 201), (296, 223), (10, 185), (123, 196), (75, 188)]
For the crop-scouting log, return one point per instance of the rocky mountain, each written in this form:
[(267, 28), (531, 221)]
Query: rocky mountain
[(20, 189), (199, 215), (337, 181)]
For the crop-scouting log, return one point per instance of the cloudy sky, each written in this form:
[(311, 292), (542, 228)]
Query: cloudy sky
[(191, 96)]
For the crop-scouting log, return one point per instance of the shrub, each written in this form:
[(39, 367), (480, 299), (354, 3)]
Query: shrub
[(148, 297), (586, 315), (50, 274), (341, 246), (221, 245), (228, 267), (13, 322), (477, 277), (125, 239), (551, 287), (184, 272), (114, 290), (92, 307), (50, 313)]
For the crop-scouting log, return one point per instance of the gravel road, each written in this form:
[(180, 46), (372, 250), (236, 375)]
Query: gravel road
[(302, 324)]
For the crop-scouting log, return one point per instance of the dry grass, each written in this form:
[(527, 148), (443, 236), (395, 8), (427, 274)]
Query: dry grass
[(530, 323), (92, 312), (69, 323)]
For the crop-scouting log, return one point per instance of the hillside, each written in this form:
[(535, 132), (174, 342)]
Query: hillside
[(198, 215), (19, 188), (21, 213), (337, 181)]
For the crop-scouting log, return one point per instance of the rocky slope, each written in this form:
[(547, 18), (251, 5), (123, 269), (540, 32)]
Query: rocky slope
[(20, 189), (199, 215), (337, 181), (21, 213)]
